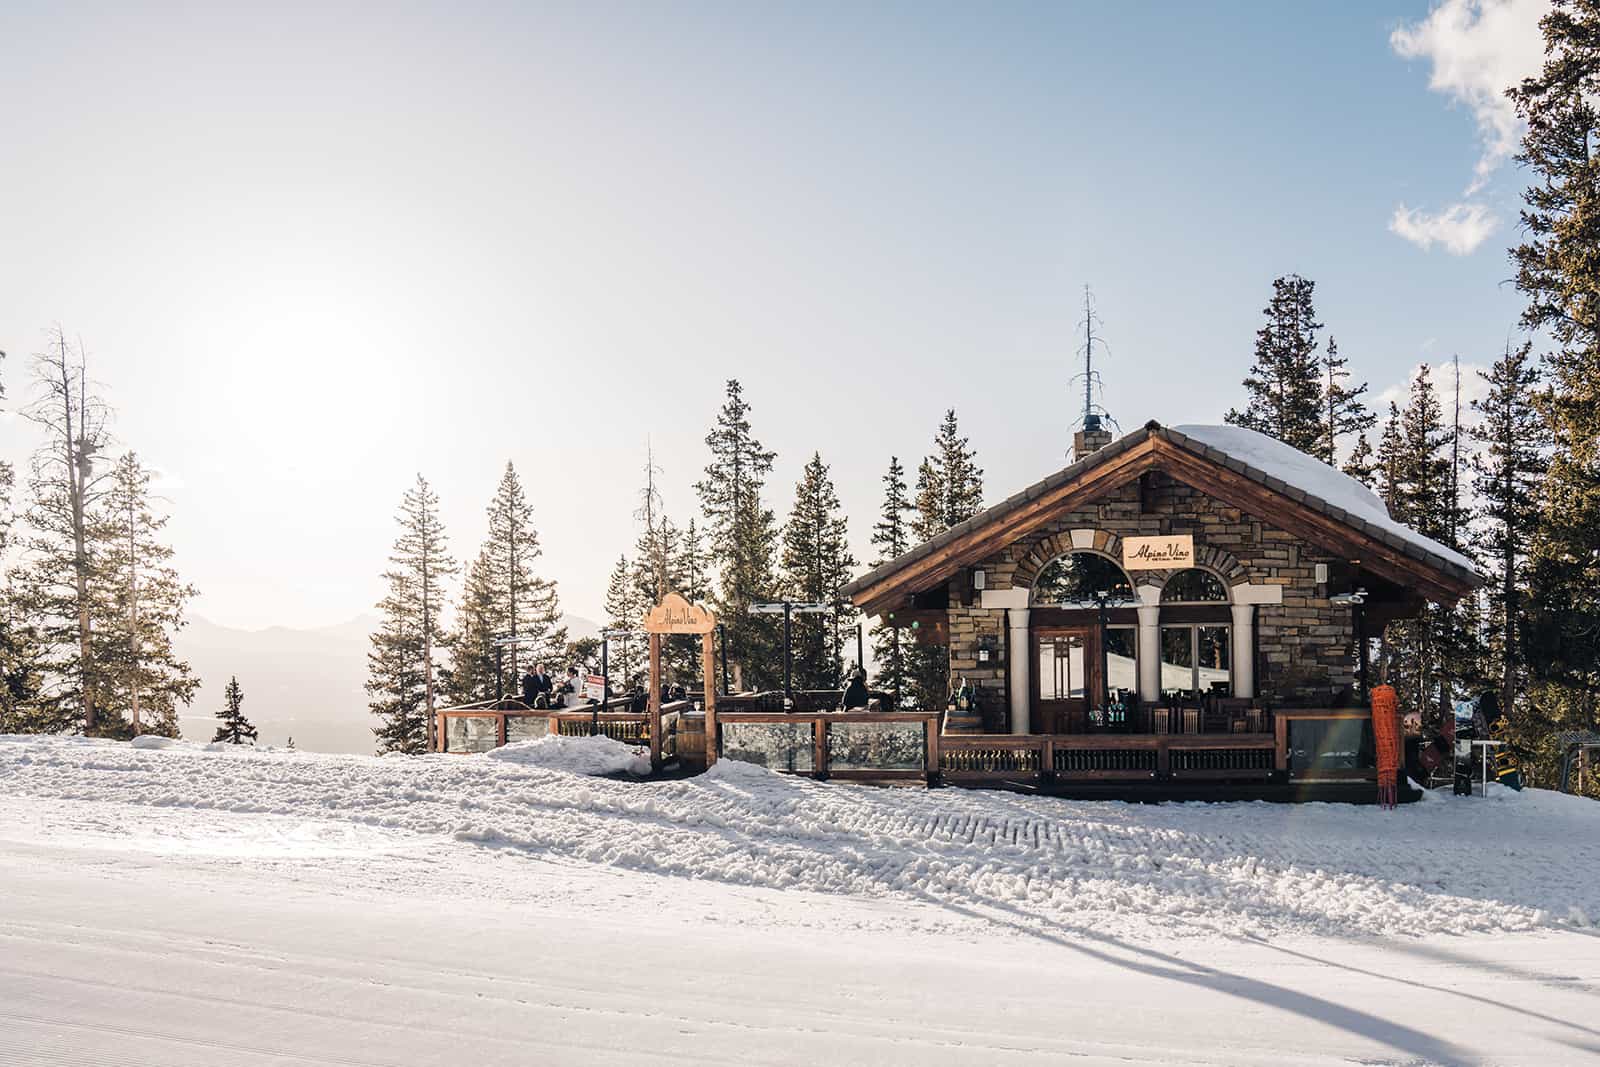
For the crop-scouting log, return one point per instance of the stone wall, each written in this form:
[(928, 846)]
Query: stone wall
[(1306, 643)]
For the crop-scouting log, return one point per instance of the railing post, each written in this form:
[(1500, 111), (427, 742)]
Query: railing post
[(930, 737), (1047, 760), (819, 742)]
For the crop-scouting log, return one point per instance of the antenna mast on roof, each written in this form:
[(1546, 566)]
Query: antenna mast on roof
[(1094, 416)]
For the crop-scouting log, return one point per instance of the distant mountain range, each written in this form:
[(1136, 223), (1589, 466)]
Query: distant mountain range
[(305, 684)]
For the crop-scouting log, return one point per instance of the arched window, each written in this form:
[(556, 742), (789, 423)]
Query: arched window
[(1194, 586), (1080, 580)]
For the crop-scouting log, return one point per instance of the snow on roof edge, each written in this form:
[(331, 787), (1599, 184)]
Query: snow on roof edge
[(1332, 487)]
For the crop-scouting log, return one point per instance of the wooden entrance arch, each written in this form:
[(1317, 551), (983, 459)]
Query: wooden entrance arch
[(675, 615)]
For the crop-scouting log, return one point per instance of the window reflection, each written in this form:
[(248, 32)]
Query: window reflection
[(1196, 661), (1194, 586), (1079, 579), (1061, 667)]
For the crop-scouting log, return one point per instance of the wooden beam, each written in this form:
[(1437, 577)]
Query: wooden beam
[(940, 565), (1308, 524)]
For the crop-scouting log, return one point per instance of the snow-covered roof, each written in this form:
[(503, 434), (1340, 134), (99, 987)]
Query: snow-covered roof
[(1327, 485), (1305, 481)]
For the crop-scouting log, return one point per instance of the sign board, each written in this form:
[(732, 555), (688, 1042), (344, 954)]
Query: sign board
[(1173, 552), (594, 687), (675, 615)]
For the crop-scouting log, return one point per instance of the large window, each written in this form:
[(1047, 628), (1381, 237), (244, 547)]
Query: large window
[(1080, 580), (1194, 586), (1122, 669), (1196, 660)]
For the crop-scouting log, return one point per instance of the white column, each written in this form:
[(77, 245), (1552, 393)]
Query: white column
[(1149, 653), (1245, 599), (1244, 661), (1021, 669), (1149, 647)]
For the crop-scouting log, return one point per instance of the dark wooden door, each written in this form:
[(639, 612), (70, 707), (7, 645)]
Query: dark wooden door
[(1066, 678)]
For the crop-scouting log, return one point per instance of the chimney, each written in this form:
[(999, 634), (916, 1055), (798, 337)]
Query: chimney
[(1091, 438)]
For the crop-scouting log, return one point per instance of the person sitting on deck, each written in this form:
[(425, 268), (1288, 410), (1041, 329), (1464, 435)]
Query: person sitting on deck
[(855, 694)]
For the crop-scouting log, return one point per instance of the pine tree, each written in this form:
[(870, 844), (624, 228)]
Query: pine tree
[(137, 609), (1431, 658), (23, 668), (1555, 270), (816, 564), (1345, 413), (1390, 457), (625, 607), (1508, 470), (1362, 464), (235, 728), (505, 597), (743, 540), (949, 491), (57, 583), (1285, 383), (472, 677), (891, 536), (690, 566), (400, 666)]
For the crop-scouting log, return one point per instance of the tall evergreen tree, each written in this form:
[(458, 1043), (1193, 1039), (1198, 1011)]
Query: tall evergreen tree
[(472, 673), (891, 537), (743, 540), (1362, 464), (625, 606), (1555, 270), (1508, 469), (1285, 383), (690, 566), (517, 601), (1344, 411), (1389, 460), (138, 608), (57, 582), (949, 491), (816, 565), (400, 666), (235, 728)]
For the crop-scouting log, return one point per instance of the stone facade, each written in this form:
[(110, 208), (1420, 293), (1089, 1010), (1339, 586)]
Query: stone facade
[(1305, 643)]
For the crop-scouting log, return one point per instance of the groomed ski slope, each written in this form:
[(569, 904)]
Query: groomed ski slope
[(174, 904), (1442, 866)]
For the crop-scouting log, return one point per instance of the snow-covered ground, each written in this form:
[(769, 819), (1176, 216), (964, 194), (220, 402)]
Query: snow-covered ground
[(184, 905)]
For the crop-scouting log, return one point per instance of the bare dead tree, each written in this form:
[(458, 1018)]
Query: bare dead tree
[(64, 485)]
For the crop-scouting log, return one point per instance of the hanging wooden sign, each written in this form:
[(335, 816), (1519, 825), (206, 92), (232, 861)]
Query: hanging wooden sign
[(675, 615), (1173, 552)]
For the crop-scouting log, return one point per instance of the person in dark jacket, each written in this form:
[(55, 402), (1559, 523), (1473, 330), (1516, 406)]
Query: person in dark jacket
[(855, 694), (530, 689)]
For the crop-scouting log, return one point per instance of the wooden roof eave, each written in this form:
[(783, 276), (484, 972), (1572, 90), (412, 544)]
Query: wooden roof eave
[(1208, 470), (1336, 531), (984, 540)]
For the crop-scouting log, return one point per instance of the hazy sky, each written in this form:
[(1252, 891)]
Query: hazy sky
[(315, 249)]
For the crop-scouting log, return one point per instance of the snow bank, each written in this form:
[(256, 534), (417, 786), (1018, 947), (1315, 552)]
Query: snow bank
[(150, 741), (1311, 475), (575, 755), (1453, 865)]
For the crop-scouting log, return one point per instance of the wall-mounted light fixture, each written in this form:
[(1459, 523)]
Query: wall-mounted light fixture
[(1322, 573), (979, 580)]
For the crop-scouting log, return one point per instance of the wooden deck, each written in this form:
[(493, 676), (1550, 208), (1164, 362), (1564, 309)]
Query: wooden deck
[(908, 746)]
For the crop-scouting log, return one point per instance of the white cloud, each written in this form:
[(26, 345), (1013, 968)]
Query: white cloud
[(1443, 374), (1460, 228), (1478, 49)]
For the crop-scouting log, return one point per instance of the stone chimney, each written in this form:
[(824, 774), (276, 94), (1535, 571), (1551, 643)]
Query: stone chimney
[(1091, 438)]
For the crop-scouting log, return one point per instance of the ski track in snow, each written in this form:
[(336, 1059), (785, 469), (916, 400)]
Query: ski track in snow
[(1511, 862)]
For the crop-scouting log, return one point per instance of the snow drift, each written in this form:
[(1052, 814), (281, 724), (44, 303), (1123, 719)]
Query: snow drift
[(1452, 865), (575, 755)]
